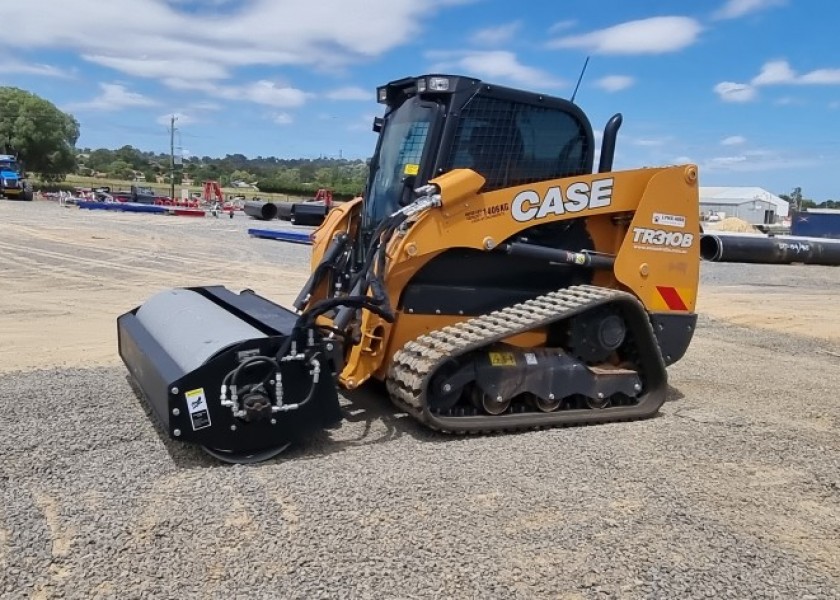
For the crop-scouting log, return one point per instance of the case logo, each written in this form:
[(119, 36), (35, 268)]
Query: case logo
[(528, 205)]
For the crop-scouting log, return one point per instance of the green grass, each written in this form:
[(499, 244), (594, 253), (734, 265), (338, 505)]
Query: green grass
[(163, 188)]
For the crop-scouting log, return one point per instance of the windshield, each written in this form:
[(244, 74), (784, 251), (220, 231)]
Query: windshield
[(404, 135)]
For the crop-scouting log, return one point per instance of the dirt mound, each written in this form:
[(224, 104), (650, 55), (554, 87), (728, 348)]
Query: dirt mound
[(735, 224)]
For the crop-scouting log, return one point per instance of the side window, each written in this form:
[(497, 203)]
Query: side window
[(555, 143), (513, 144), (486, 140), (413, 144)]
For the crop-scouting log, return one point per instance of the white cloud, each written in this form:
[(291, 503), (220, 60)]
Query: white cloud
[(114, 96), (760, 160), (166, 39), (735, 92), (779, 72), (15, 66), (775, 72), (562, 25), (733, 9), (189, 115), (821, 77), (724, 162), (495, 65), (615, 83), (656, 35), (651, 142), (733, 140), (206, 105), (189, 69), (493, 36), (282, 118), (351, 93), (268, 93)]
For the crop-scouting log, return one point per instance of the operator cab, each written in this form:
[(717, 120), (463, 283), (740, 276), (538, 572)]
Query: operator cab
[(436, 123), (8, 162)]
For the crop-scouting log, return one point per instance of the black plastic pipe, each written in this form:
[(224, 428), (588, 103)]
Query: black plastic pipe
[(265, 211), (772, 250)]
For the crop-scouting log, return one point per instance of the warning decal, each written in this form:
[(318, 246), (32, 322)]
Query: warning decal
[(672, 297), (502, 359), (197, 405)]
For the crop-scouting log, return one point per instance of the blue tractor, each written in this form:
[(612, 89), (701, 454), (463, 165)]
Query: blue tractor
[(13, 184)]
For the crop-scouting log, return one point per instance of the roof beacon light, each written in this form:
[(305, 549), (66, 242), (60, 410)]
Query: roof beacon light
[(382, 94)]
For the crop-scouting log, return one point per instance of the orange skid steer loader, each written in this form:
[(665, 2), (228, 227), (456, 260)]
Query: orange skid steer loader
[(492, 276)]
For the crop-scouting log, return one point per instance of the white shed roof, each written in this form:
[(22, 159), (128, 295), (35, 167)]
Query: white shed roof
[(740, 195)]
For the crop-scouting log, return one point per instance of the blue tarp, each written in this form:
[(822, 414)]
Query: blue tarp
[(121, 206), (295, 237)]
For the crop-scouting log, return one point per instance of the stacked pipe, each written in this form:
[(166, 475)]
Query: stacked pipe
[(780, 250), (264, 211)]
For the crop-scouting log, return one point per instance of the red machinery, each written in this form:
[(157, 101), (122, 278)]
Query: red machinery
[(212, 192), (324, 195)]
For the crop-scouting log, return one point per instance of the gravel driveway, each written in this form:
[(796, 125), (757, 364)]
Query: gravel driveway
[(732, 492)]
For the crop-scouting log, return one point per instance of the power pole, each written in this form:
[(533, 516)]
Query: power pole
[(172, 158)]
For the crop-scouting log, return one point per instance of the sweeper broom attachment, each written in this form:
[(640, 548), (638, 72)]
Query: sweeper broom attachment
[(206, 362)]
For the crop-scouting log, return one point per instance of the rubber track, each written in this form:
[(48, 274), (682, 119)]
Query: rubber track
[(414, 365)]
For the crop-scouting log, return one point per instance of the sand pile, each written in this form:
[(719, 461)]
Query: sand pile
[(735, 224)]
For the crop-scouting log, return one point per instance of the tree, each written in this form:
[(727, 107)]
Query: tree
[(100, 159), (796, 198), (132, 156), (240, 175), (119, 169), (40, 134)]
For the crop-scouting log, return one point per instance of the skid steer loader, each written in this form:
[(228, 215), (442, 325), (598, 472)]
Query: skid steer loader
[(490, 276)]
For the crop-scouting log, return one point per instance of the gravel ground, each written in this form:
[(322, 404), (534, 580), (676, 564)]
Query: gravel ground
[(732, 492)]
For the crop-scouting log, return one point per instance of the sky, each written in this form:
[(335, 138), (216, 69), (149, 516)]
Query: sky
[(749, 90)]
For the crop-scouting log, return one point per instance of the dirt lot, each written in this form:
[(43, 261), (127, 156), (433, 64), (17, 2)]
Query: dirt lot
[(734, 491), (78, 270)]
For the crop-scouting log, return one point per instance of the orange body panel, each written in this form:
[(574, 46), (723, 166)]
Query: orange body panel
[(340, 218), (647, 218)]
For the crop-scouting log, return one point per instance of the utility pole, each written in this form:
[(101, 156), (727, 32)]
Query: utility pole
[(172, 158)]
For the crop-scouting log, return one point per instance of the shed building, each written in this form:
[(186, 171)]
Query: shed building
[(754, 205)]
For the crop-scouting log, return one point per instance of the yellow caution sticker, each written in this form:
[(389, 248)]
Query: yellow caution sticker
[(411, 169), (197, 407), (502, 359)]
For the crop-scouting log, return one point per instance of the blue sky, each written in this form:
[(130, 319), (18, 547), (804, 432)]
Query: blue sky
[(747, 89)]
